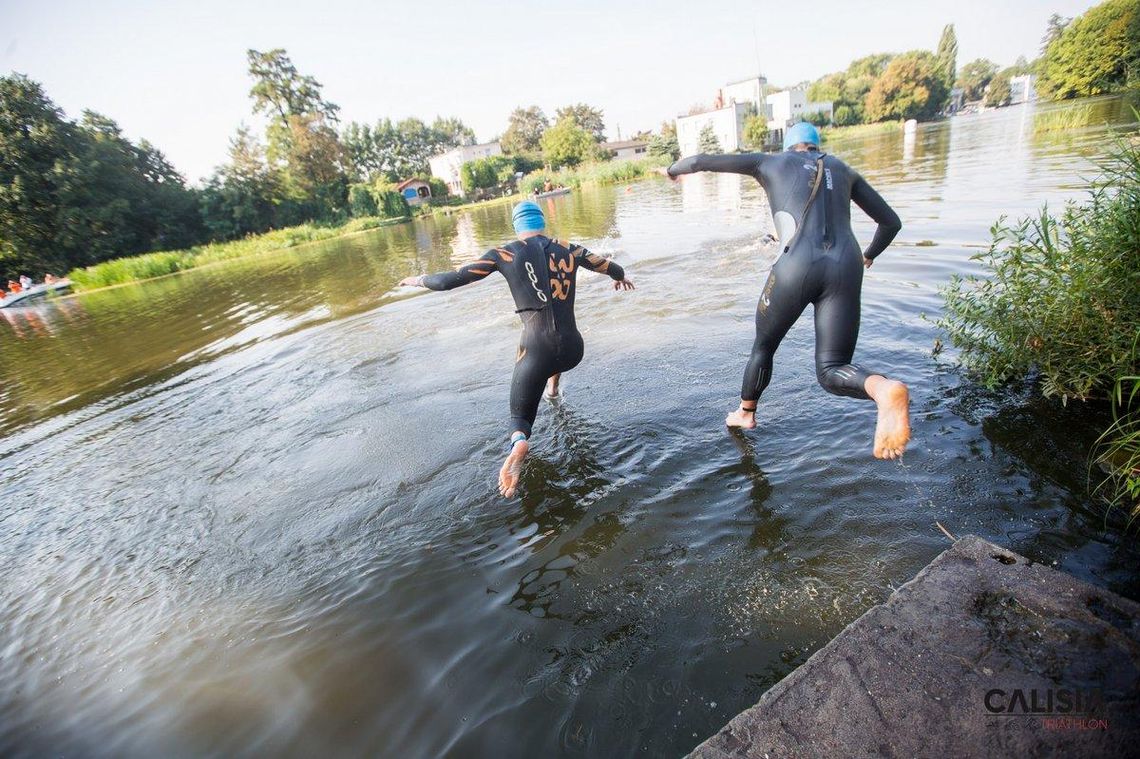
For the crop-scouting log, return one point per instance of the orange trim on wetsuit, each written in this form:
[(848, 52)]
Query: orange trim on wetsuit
[(542, 274)]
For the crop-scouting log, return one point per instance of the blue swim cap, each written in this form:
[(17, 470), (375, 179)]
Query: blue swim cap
[(801, 132), (527, 217)]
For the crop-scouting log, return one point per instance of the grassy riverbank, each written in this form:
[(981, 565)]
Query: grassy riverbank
[(828, 134), (607, 172), (120, 271)]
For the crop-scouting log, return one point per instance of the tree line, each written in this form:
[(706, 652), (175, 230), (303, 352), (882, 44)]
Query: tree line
[(1093, 54), (888, 86), (77, 192), (74, 193)]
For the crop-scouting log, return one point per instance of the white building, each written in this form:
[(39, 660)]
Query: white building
[(1021, 89), (787, 107), (727, 124), (446, 165), (745, 91), (628, 150)]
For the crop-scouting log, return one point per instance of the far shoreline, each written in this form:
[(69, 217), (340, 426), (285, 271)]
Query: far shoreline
[(273, 241)]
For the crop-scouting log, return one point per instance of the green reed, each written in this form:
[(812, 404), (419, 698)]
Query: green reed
[(1060, 302)]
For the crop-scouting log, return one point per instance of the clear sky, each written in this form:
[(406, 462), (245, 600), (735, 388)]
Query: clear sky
[(175, 72)]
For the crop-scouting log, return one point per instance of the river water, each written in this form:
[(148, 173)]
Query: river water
[(252, 508)]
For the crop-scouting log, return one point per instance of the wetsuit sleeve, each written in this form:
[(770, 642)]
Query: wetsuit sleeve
[(464, 275), (594, 262), (874, 206), (743, 163)]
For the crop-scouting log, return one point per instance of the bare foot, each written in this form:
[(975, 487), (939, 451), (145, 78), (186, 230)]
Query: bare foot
[(512, 468), (892, 431), (746, 420), (552, 390)]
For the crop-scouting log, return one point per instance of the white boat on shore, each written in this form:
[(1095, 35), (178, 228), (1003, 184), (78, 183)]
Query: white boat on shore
[(27, 295)]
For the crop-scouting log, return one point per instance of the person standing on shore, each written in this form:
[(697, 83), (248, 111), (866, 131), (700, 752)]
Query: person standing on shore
[(542, 274), (810, 194)]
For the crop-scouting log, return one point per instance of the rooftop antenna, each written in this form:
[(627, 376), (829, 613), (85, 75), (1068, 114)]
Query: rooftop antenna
[(762, 105)]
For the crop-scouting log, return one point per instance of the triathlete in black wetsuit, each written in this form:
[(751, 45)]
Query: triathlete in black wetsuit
[(820, 264), (542, 274)]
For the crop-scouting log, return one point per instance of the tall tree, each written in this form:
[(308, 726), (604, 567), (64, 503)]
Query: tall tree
[(1054, 28), (361, 152), (664, 143), (1098, 52), (301, 137), (524, 130), (451, 133), (847, 90), (171, 206), (280, 91), (585, 117), (36, 144), (707, 141), (755, 132), (947, 57), (974, 77), (75, 194), (416, 142), (123, 198), (242, 196), (998, 92), (567, 144), (315, 169), (912, 87)]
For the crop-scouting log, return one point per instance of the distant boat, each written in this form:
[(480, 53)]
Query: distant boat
[(35, 291), (553, 193)]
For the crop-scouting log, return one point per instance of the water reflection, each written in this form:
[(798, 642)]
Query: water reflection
[(116, 339), (712, 192), (896, 156), (771, 527), (465, 243), (558, 494)]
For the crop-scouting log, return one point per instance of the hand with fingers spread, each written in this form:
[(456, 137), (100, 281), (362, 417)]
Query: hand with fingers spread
[(623, 284)]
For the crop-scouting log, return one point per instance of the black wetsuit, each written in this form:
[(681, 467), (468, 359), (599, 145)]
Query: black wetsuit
[(822, 266), (542, 275)]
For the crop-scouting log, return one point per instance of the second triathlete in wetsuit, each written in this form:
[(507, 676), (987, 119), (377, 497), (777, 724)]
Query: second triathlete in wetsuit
[(820, 264), (542, 275)]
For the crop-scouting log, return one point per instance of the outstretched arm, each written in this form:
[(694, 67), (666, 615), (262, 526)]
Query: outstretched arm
[(600, 264), (464, 275), (743, 163), (874, 206)]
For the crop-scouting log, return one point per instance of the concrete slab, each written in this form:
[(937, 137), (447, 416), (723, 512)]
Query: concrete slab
[(983, 653)]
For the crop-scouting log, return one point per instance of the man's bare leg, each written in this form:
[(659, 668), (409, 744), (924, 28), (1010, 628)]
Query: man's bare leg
[(892, 431), (744, 417), (512, 467), (552, 390)]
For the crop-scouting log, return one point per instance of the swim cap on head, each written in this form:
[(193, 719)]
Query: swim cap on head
[(801, 132), (527, 217)]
